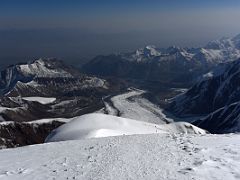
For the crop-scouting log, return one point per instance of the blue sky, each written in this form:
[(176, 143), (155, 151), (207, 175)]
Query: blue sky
[(117, 3), (50, 10), (71, 4), (75, 28)]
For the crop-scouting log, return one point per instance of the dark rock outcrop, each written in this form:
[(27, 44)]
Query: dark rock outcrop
[(16, 134)]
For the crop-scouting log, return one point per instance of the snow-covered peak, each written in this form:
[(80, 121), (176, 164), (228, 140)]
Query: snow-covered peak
[(181, 53), (151, 50), (146, 53), (44, 68)]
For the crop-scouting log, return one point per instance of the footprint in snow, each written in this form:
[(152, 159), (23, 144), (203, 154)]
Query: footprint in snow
[(17, 171), (91, 159), (198, 162), (186, 170)]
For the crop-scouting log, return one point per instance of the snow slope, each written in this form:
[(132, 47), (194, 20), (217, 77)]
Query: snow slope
[(42, 100), (155, 156), (100, 125)]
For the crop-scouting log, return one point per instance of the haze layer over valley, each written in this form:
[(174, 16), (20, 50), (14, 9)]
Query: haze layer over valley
[(152, 113)]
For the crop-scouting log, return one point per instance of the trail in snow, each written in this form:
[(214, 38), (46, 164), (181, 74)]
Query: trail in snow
[(156, 156), (132, 105)]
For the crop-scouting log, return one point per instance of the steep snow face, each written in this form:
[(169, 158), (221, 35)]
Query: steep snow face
[(223, 120), (229, 48), (209, 56), (43, 68), (101, 125), (217, 89), (140, 157)]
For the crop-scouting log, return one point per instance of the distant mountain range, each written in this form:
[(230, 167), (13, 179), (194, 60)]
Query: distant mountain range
[(173, 64), (214, 70), (49, 78)]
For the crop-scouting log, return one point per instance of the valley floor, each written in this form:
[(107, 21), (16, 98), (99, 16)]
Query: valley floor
[(154, 156), (132, 105)]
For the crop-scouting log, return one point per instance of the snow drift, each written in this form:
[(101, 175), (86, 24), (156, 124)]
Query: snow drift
[(42, 100), (102, 125)]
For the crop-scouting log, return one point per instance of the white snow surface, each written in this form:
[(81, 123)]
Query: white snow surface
[(97, 125), (140, 157), (43, 121), (42, 100)]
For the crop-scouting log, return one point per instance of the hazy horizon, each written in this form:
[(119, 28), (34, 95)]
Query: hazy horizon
[(81, 30)]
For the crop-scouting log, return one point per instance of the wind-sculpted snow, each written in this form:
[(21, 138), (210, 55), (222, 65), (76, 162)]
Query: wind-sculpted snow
[(101, 125), (140, 157)]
